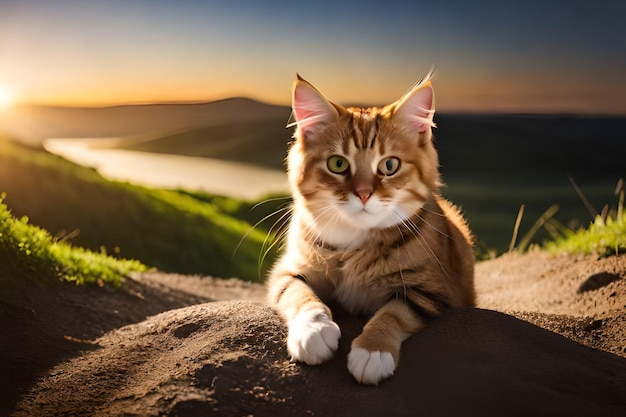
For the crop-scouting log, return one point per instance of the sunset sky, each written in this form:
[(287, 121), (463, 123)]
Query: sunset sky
[(527, 56)]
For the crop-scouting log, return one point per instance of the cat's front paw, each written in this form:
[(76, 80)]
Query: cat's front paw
[(370, 367), (313, 337)]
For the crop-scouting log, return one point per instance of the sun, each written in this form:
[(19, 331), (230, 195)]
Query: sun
[(6, 97)]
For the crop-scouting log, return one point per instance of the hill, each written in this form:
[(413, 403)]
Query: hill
[(259, 142), (170, 230), (33, 124)]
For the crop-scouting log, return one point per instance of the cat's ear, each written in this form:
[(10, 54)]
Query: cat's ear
[(310, 108), (417, 107)]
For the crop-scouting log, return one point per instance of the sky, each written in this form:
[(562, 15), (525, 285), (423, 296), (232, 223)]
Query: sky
[(504, 56)]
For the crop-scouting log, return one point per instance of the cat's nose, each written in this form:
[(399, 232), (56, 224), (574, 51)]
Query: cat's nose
[(364, 198), (364, 193)]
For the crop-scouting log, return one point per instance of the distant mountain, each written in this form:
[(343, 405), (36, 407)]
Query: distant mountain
[(33, 124), (258, 142)]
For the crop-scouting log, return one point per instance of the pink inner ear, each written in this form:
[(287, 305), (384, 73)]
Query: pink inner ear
[(426, 96), (416, 108), (303, 103), (423, 105), (310, 108), (421, 127)]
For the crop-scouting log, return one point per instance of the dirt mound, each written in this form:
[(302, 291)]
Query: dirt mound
[(42, 325), (580, 297), (228, 358)]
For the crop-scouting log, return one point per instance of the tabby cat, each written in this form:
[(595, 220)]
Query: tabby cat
[(369, 230)]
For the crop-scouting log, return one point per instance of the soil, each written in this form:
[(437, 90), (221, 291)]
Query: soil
[(548, 337)]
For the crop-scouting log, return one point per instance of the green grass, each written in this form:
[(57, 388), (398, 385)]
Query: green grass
[(606, 236), (31, 252), (173, 231), (602, 238)]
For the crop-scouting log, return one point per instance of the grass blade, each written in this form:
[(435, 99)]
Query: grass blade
[(548, 214), (518, 221)]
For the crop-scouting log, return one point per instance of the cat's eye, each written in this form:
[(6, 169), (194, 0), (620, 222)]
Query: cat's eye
[(337, 164), (389, 166)]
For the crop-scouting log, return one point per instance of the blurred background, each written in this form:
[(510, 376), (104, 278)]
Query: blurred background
[(153, 129)]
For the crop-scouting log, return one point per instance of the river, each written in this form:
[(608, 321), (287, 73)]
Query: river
[(171, 171)]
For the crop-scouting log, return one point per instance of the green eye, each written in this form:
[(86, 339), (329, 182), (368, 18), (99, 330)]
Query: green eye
[(389, 166), (337, 164)]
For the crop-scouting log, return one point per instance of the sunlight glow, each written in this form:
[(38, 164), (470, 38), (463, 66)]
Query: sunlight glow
[(6, 97)]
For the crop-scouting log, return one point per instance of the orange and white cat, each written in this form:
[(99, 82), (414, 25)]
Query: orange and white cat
[(369, 230)]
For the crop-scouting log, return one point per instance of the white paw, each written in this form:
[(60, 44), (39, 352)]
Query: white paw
[(370, 367), (313, 337)]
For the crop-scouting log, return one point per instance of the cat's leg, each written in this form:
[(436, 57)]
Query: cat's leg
[(313, 337), (376, 351)]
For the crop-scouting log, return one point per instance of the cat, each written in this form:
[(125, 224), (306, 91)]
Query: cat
[(369, 230)]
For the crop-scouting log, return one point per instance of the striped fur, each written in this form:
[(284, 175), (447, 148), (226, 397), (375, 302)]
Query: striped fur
[(382, 245)]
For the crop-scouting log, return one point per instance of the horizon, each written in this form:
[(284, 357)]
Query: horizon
[(496, 57), (452, 112)]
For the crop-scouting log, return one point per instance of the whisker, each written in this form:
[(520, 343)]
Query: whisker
[(423, 209), (269, 200), (279, 235), (277, 240), (325, 209), (255, 226), (433, 255), (404, 286), (412, 227), (432, 212), (433, 227)]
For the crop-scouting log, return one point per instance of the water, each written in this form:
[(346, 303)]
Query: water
[(171, 171)]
